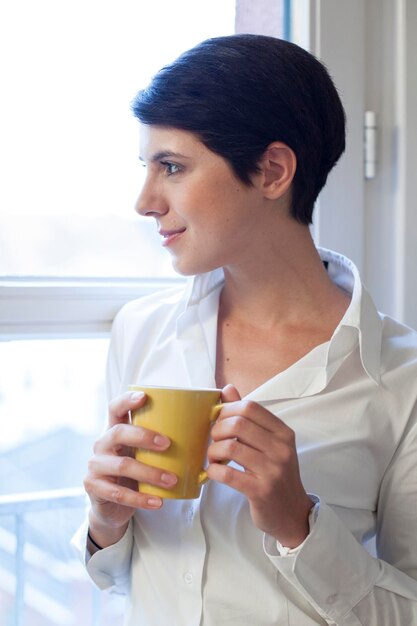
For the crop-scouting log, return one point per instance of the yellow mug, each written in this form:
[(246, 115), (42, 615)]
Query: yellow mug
[(186, 417)]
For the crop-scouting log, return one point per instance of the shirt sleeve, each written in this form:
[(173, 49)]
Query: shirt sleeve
[(340, 579), (115, 358), (109, 567)]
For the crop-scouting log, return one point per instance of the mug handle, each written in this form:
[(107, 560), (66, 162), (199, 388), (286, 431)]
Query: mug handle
[(202, 477)]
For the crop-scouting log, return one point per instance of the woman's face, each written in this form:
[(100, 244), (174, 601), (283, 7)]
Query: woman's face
[(207, 218)]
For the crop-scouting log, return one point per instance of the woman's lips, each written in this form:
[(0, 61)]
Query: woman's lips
[(169, 236)]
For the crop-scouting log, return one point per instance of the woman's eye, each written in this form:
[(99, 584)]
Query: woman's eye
[(171, 168)]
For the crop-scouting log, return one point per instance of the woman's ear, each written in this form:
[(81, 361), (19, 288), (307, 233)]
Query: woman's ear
[(278, 165)]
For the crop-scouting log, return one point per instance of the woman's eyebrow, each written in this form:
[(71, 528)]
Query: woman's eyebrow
[(163, 154)]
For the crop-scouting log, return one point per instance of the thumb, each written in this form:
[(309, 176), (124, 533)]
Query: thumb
[(120, 407), (230, 394)]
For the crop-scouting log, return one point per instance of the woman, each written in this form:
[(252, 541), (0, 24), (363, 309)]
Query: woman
[(238, 136)]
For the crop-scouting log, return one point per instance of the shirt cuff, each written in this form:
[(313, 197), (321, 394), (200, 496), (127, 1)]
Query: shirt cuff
[(109, 567), (330, 568)]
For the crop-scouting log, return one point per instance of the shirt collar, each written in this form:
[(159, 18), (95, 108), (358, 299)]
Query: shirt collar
[(360, 323), (203, 285), (361, 314)]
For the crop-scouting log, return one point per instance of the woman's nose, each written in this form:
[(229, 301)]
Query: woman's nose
[(150, 201)]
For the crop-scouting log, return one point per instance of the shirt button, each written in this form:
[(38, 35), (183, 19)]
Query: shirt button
[(188, 577), (332, 599)]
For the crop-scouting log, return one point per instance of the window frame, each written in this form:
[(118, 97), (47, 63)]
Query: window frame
[(369, 48), (339, 212), (39, 308)]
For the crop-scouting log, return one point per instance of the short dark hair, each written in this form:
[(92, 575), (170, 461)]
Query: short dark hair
[(239, 93)]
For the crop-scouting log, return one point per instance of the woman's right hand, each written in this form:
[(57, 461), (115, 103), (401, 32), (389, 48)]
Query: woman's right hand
[(113, 472)]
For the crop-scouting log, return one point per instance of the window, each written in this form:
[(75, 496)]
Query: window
[(372, 221), (72, 251)]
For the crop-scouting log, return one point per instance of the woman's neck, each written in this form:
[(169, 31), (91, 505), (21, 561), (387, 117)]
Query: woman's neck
[(285, 283)]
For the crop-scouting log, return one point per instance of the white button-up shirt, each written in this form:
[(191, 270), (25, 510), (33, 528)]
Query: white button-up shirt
[(352, 405)]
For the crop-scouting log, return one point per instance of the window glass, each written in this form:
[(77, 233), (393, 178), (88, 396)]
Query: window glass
[(49, 390), (52, 407), (69, 143)]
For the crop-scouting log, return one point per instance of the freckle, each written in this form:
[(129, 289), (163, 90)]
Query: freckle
[(227, 359)]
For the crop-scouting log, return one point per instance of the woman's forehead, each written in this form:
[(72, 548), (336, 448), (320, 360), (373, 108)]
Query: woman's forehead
[(156, 142)]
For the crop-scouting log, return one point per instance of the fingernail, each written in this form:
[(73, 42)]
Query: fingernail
[(155, 503), (161, 441), (169, 479), (136, 395)]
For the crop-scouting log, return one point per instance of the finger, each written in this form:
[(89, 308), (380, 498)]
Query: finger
[(245, 482), (108, 492), (250, 459), (126, 467), (255, 412), (230, 394), (120, 407), (132, 437), (244, 430)]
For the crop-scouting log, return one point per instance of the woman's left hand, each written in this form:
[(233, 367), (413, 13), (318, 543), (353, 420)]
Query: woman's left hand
[(264, 446)]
